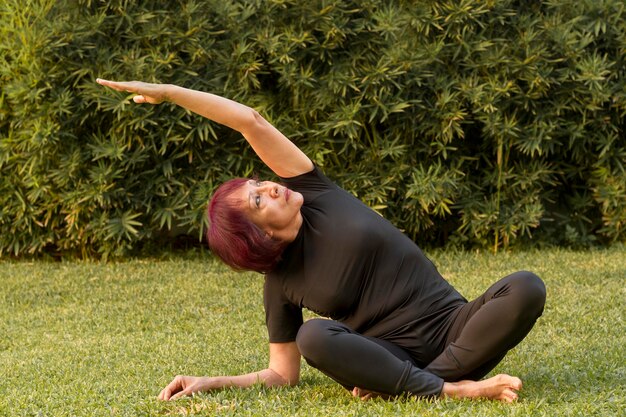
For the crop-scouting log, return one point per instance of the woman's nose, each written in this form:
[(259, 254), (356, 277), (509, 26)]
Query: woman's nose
[(271, 190)]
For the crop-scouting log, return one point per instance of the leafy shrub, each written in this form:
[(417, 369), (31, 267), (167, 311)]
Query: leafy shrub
[(474, 123)]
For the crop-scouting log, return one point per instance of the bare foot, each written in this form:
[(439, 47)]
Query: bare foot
[(500, 387), (365, 395)]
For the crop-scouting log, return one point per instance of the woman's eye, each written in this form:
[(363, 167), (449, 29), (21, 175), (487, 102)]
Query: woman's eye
[(257, 200)]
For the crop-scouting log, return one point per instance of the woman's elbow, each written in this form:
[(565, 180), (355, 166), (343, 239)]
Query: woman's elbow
[(252, 122)]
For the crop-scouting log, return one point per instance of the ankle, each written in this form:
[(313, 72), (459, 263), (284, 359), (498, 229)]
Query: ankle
[(458, 390)]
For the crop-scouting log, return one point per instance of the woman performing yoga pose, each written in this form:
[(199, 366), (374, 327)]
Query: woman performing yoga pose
[(396, 326)]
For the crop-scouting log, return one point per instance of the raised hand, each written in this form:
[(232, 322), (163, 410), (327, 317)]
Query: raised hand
[(280, 154), (146, 92)]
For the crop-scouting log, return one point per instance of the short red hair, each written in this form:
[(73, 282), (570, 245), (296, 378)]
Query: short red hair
[(234, 238)]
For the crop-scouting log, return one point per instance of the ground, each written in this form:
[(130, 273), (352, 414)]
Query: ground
[(88, 338)]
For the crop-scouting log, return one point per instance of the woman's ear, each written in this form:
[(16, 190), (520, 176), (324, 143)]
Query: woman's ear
[(269, 233)]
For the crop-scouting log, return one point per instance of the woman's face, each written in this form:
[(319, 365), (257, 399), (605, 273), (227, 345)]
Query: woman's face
[(272, 207)]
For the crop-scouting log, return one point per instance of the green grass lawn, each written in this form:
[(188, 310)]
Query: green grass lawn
[(84, 338)]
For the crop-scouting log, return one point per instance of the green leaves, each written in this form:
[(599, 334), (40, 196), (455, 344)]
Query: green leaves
[(123, 227), (476, 123)]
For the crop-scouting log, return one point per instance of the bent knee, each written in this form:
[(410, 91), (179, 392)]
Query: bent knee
[(311, 337), (535, 289), (531, 292)]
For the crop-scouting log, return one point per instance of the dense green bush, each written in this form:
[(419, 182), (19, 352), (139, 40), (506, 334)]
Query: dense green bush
[(463, 122)]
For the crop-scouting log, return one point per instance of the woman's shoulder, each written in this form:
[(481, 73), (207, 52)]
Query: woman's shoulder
[(310, 184)]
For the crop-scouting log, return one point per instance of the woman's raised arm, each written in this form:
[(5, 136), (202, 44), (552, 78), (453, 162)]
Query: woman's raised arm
[(274, 148)]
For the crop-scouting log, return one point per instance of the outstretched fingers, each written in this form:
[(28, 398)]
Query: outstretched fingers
[(145, 92), (116, 85)]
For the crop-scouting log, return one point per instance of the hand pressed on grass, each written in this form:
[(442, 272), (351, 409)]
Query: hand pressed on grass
[(185, 385)]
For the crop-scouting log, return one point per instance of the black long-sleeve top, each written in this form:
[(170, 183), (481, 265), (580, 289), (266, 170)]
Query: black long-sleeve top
[(350, 264)]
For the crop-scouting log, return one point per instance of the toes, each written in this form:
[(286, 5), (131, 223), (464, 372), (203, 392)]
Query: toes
[(510, 381), (361, 393), (508, 396)]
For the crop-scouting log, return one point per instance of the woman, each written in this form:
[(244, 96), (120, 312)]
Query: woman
[(396, 325)]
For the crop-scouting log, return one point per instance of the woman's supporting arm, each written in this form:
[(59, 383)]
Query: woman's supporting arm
[(280, 154), (284, 369)]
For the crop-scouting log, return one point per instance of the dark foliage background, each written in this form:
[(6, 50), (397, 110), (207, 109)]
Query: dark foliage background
[(467, 123)]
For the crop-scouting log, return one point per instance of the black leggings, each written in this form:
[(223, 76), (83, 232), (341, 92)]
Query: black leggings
[(478, 337)]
